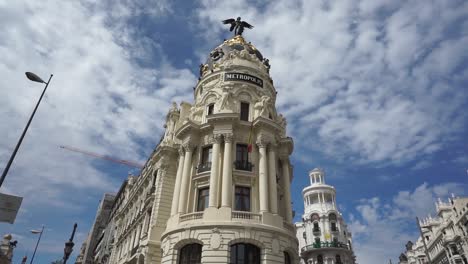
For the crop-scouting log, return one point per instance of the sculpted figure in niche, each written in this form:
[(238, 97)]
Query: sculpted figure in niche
[(282, 122), (261, 107), (226, 99), (196, 112)]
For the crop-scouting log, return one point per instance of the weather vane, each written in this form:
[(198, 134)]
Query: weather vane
[(237, 25)]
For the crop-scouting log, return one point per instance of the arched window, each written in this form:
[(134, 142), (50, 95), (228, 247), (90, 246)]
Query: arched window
[(338, 259), (190, 254), (319, 259), (287, 258), (243, 253)]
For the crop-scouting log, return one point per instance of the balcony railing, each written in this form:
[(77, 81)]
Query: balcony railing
[(202, 167), (243, 165), (246, 215), (191, 216), (325, 245)]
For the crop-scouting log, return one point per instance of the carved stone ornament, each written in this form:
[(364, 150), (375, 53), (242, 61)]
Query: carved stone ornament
[(262, 141), (181, 151), (215, 239), (275, 246), (216, 139), (228, 137), (188, 146), (226, 100), (261, 107)]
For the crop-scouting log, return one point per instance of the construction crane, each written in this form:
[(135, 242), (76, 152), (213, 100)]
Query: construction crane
[(104, 157)]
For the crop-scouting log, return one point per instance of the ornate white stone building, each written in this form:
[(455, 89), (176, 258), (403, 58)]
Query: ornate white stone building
[(446, 236), (217, 187), (323, 234)]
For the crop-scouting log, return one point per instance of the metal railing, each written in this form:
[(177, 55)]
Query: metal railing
[(325, 245), (243, 165), (246, 215), (191, 216), (202, 167)]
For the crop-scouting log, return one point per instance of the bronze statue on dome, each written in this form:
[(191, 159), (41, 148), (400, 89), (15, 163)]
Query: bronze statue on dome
[(237, 25)]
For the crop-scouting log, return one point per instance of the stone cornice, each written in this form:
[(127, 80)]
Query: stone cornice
[(222, 118), (267, 124), (188, 128)]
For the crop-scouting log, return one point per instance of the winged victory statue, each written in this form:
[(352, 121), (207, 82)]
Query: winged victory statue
[(237, 25)]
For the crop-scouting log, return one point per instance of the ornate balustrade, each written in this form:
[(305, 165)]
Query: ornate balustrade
[(191, 216), (246, 215)]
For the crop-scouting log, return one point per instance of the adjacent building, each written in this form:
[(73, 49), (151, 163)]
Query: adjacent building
[(217, 187), (445, 236), (323, 235), (96, 233)]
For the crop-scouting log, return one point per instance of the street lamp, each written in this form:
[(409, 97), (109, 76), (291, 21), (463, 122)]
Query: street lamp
[(69, 246), (33, 77), (39, 239)]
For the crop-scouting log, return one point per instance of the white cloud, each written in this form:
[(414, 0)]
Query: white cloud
[(99, 99), (381, 228), (364, 81)]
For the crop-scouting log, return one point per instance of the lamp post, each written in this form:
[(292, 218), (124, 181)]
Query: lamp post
[(38, 240), (69, 246), (33, 77)]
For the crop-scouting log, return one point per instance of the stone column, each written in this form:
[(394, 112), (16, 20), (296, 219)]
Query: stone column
[(175, 196), (226, 199), (263, 176), (272, 179), (213, 198), (287, 189), (182, 208)]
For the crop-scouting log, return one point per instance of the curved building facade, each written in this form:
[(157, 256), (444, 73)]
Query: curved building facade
[(323, 234), (231, 201), (217, 187)]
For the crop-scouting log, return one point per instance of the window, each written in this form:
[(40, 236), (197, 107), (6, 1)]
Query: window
[(319, 259), (244, 111), (203, 195), (287, 258), (242, 199), (190, 254), (210, 109), (316, 227), (338, 259), (333, 227), (245, 254), (205, 160), (242, 158)]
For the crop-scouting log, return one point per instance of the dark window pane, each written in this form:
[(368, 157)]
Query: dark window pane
[(210, 109), (190, 254), (287, 258), (203, 196), (242, 198), (244, 254), (244, 111)]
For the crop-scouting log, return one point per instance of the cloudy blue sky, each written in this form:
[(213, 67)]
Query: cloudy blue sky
[(375, 92)]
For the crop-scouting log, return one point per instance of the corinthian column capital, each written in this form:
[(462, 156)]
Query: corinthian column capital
[(188, 146), (181, 151), (216, 139), (262, 142), (228, 137)]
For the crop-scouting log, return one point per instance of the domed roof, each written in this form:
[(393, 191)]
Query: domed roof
[(237, 43)]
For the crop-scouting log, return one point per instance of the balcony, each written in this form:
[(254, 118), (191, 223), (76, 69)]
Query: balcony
[(325, 245), (246, 216), (243, 165), (191, 216), (202, 167)]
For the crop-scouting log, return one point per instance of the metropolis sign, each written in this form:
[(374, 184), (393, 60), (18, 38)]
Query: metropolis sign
[(237, 76)]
